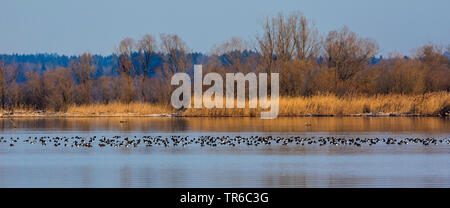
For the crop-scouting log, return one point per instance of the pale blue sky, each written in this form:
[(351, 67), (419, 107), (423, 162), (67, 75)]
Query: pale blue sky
[(97, 26)]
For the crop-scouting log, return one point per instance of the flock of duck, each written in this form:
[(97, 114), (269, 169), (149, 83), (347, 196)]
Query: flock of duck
[(213, 141)]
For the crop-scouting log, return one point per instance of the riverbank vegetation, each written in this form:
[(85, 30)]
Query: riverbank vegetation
[(332, 105), (428, 104), (337, 73)]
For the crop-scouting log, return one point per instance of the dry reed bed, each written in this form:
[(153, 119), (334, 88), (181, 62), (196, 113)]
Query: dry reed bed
[(118, 108), (331, 105), (427, 104)]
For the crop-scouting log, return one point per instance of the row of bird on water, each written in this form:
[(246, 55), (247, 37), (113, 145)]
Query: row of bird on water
[(214, 141)]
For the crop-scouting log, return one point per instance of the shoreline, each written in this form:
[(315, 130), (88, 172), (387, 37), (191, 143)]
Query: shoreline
[(435, 104), (173, 115)]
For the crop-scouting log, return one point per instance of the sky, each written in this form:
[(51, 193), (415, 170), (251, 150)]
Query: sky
[(97, 26)]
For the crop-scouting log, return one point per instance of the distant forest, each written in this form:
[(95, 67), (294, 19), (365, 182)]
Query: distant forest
[(340, 63), (104, 65)]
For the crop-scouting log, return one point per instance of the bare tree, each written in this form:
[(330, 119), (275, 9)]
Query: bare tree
[(400, 75), (107, 88), (432, 54), (437, 67), (306, 38), (267, 44), (176, 53), (289, 44), (34, 89), (83, 70), (347, 53), (284, 28), (287, 36), (176, 59), (146, 47), (126, 68), (58, 85), (8, 75)]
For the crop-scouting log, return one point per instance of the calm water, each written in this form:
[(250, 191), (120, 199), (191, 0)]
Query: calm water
[(381, 165)]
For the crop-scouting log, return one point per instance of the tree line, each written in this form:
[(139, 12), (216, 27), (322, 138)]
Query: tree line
[(340, 62)]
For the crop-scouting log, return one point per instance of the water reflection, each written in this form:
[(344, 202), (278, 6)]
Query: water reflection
[(193, 166), (284, 124)]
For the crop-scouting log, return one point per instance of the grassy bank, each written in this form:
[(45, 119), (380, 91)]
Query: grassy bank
[(117, 108), (331, 105), (319, 105)]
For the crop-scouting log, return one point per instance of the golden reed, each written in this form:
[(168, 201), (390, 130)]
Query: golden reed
[(326, 104)]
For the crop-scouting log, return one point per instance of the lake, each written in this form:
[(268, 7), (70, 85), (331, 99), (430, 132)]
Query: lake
[(26, 162)]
